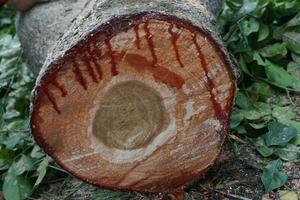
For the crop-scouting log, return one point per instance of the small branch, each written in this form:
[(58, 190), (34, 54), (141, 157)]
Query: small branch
[(234, 137), (58, 169), (232, 195), (243, 182), (290, 98)]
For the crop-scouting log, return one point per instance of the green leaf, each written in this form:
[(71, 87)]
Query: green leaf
[(250, 26), (260, 91), (37, 152), (13, 140), (277, 32), (240, 130), (9, 53), (278, 75), (263, 33), (296, 85), (258, 58), (296, 140), (296, 58), (263, 108), (262, 147), (234, 4), (231, 37), (16, 187), (292, 123), (7, 67), (277, 49), (296, 125), (287, 153), (246, 8), (243, 65), (4, 165), (294, 69), (292, 39), (295, 21), (258, 125), (236, 119), (252, 114), (242, 101), (25, 163), (283, 113), (42, 169), (11, 114), (6, 154), (279, 134), (272, 178)]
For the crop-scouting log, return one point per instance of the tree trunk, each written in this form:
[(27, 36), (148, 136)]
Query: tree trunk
[(136, 95), (40, 28)]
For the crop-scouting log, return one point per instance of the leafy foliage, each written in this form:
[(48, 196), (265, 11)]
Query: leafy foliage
[(264, 37), (271, 176), (22, 163)]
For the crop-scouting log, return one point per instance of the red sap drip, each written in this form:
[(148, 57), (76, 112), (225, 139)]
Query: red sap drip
[(78, 75), (90, 69), (92, 55), (52, 100), (210, 84), (137, 37), (150, 43), (174, 38), (60, 87), (114, 71)]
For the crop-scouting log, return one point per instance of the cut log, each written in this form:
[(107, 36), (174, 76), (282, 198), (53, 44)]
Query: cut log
[(136, 95)]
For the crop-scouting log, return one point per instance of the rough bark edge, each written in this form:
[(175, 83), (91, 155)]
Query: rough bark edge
[(41, 27), (95, 13), (214, 6), (38, 35), (108, 30), (100, 12)]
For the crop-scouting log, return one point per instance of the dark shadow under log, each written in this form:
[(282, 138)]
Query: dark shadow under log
[(135, 95)]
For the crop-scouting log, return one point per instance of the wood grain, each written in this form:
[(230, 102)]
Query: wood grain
[(177, 81)]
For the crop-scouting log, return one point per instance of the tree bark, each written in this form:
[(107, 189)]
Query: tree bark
[(136, 94), (40, 28)]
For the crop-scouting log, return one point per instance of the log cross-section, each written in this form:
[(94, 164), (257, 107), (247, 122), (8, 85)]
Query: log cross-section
[(140, 103)]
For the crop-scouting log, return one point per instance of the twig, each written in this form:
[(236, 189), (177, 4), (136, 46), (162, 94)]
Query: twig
[(243, 182), (232, 195), (296, 161), (290, 98), (237, 139), (58, 169)]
